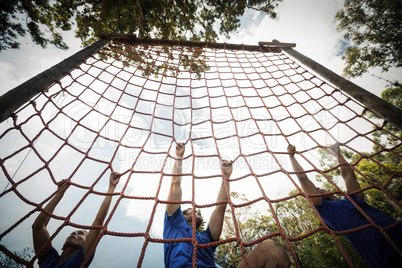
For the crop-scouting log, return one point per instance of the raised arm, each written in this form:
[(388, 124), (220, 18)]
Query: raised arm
[(218, 215), (347, 172), (175, 192), (39, 231), (306, 184), (100, 217)]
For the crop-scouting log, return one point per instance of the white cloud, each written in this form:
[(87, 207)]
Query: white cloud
[(8, 76)]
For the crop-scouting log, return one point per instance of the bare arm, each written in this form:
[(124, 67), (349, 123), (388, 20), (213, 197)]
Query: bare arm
[(307, 185), (218, 215), (347, 172), (100, 217), (175, 192), (39, 230)]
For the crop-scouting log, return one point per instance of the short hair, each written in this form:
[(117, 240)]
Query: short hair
[(186, 211)]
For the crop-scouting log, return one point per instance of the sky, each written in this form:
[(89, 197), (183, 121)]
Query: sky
[(309, 24)]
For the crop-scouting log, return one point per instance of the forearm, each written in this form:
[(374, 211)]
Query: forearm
[(218, 215), (222, 196), (349, 176), (175, 192), (39, 232), (104, 208), (177, 169), (307, 186), (298, 168), (43, 219), (305, 182)]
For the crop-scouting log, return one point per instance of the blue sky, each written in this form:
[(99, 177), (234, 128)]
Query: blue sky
[(309, 24)]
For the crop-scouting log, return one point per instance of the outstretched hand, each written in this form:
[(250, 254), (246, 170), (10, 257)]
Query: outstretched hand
[(114, 178), (334, 148), (291, 149), (227, 168), (180, 148), (63, 185)]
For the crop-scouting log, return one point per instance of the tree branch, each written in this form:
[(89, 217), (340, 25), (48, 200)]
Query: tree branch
[(141, 18)]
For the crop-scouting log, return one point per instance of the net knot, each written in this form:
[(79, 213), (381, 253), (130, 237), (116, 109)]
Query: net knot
[(15, 117), (33, 103)]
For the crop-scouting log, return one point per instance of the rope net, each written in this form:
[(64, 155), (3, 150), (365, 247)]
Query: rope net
[(126, 107)]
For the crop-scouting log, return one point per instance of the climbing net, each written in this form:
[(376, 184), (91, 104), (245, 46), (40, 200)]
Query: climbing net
[(125, 108)]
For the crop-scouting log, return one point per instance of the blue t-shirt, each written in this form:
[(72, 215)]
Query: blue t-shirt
[(342, 215), (52, 257), (180, 254)]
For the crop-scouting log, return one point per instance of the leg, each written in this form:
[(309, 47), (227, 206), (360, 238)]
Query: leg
[(347, 172), (268, 254)]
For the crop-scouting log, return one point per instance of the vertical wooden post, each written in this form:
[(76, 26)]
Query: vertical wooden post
[(382, 108), (15, 98)]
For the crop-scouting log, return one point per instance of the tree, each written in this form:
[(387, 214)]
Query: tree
[(251, 226), (393, 95), (296, 218), (26, 253), (171, 60), (382, 166), (201, 228), (389, 137), (318, 250), (372, 29), (171, 19), (18, 17)]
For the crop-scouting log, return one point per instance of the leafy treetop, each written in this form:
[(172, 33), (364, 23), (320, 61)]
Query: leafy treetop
[(373, 31), (170, 19)]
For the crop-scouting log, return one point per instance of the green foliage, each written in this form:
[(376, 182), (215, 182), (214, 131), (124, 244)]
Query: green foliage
[(26, 253), (201, 228), (372, 29), (251, 225), (170, 19), (40, 19), (382, 166), (374, 168), (163, 60), (392, 95), (296, 218), (318, 250)]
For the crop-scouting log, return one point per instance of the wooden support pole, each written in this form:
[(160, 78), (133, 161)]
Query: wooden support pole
[(133, 39), (387, 111), (15, 98)]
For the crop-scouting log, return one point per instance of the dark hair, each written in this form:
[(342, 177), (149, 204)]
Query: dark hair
[(198, 221), (185, 212)]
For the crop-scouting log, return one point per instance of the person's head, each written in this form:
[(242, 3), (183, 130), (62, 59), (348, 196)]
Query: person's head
[(188, 214), (76, 239), (327, 197)]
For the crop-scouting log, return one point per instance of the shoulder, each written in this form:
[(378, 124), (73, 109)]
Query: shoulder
[(77, 259), (206, 236), (324, 204), (176, 220), (328, 205), (50, 259), (177, 215)]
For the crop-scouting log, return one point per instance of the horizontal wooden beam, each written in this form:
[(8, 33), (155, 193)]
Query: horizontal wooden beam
[(271, 46), (276, 44)]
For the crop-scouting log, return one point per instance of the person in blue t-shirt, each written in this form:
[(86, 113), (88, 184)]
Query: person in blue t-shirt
[(78, 244), (342, 215), (179, 224)]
